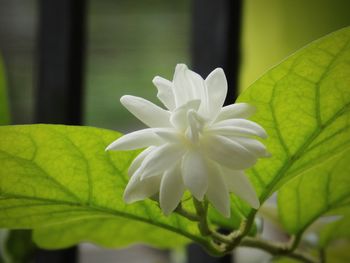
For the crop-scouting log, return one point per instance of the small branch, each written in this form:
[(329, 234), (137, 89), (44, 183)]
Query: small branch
[(277, 249), (294, 242), (188, 214), (202, 212), (236, 236), (220, 244)]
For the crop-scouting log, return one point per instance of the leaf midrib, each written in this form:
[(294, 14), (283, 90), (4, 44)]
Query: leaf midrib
[(106, 212), (52, 180)]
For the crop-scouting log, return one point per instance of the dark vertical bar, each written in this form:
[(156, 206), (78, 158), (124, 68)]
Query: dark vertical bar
[(216, 29), (60, 80), (61, 50)]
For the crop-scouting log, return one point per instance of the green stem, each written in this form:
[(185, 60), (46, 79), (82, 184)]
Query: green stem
[(220, 244), (202, 212), (185, 213), (277, 249), (236, 236)]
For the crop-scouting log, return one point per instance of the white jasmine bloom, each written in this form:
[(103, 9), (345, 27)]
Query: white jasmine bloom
[(194, 144)]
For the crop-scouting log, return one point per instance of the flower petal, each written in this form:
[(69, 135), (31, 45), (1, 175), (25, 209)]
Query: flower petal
[(194, 126), (216, 85), (239, 184), (169, 135), (165, 92), (161, 159), (242, 123), (188, 85), (136, 163), (179, 116), (137, 190), (228, 153), (217, 193), (237, 110), (147, 112), (135, 140), (196, 84), (232, 131), (254, 146), (171, 190), (195, 174)]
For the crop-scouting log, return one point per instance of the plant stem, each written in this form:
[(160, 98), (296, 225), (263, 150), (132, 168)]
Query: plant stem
[(185, 213), (277, 249), (203, 226), (202, 212), (220, 244), (236, 236)]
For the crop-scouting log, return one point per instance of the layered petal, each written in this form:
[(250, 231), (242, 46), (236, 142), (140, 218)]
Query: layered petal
[(179, 117), (136, 140), (250, 126), (217, 193), (136, 163), (194, 126), (161, 159), (216, 85), (237, 110), (239, 184), (171, 189), (195, 174), (147, 112), (188, 85), (165, 92), (254, 146), (228, 152), (169, 135), (232, 131), (137, 190)]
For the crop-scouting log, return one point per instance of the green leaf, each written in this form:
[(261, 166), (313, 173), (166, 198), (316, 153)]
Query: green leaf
[(59, 180), (4, 108), (303, 103), (311, 195)]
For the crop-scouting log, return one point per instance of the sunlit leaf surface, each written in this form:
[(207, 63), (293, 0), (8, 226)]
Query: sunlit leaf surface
[(304, 105), (60, 179), (324, 181)]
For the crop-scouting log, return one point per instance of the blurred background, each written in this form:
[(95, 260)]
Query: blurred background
[(103, 49)]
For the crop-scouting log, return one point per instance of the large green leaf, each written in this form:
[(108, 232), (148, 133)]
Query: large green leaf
[(304, 105), (59, 179), (323, 188), (4, 109), (324, 183)]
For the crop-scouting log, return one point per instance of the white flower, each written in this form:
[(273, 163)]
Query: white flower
[(194, 144)]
